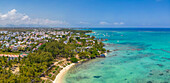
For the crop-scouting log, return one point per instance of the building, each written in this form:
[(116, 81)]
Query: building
[(11, 57)]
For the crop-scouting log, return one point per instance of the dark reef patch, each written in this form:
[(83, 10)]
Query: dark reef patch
[(79, 77), (161, 74), (138, 45), (164, 82), (97, 76), (162, 50), (150, 73), (167, 71), (165, 58), (157, 58), (160, 65), (149, 81)]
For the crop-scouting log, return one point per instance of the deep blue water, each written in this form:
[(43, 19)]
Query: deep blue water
[(130, 29)]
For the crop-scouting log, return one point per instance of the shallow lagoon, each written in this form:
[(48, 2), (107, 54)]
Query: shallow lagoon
[(142, 57)]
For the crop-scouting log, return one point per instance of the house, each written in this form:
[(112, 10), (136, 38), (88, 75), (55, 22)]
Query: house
[(5, 32), (102, 55), (19, 42), (77, 33), (7, 45), (88, 47), (65, 42), (39, 45), (79, 43), (23, 54), (58, 39), (11, 57), (11, 46), (15, 48)]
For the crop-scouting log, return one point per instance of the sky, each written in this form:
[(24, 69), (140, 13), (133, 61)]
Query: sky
[(85, 13)]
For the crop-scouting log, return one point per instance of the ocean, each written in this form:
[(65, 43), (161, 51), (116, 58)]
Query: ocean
[(138, 55)]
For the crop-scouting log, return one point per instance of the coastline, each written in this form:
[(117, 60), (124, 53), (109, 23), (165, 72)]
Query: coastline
[(125, 55), (60, 76)]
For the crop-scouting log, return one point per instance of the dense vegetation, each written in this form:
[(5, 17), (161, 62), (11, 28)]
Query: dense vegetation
[(31, 68), (76, 31), (58, 49)]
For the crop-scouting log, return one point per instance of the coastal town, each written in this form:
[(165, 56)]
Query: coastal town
[(84, 41), (39, 54)]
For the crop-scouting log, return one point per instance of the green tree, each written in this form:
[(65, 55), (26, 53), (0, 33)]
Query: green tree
[(73, 60), (83, 55)]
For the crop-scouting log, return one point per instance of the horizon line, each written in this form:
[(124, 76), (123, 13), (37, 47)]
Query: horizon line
[(88, 27)]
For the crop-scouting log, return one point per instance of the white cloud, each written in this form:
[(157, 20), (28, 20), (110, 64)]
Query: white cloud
[(12, 12), (25, 17), (118, 23), (15, 18), (107, 23), (121, 23), (82, 22), (103, 23)]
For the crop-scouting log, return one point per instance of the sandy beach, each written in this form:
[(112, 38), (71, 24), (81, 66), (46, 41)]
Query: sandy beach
[(60, 76)]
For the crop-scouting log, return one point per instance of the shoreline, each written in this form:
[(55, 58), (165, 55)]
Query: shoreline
[(60, 76)]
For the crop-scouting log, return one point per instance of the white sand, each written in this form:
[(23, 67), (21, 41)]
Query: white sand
[(60, 76)]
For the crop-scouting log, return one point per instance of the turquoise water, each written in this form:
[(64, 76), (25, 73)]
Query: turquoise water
[(138, 56)]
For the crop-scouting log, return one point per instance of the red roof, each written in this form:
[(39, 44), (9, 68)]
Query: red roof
[(24, 54), (1, 54), (11, 55)]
